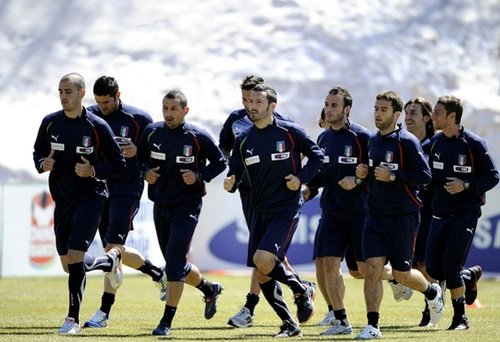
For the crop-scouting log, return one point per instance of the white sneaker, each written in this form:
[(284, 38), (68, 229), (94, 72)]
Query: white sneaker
[(243, 319), (368, 333), (162, 285), (327, 320), (337, 329), (400, 292), (99, 320), (436, 306), (115, 276), (69, 327)]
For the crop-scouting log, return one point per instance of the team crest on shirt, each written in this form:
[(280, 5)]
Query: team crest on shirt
[(388, 163), (124, 131), (280, 146), (187, 157), (187, 150), (85, 148), (461, 159), (461, 168), (347, 150), (389, 156), (281, 155), (347, 158), (123, 139)]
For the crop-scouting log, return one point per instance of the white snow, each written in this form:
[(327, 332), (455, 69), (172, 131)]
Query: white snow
[(301, 47)]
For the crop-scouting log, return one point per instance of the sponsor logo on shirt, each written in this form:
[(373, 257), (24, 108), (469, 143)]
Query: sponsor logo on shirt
[(184, 159), (57, 146), (158, 155), (252, 160), (390, 166), (122, 140), (85, 148), (348, 160), (280, 156)]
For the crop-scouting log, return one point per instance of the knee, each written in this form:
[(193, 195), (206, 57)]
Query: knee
[(400, 277), (264, 261)]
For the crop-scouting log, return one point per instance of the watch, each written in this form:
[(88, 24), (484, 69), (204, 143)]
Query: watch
[(466, 185), (392, 177)]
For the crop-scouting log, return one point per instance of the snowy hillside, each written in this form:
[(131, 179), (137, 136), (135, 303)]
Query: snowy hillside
[(302, 47)]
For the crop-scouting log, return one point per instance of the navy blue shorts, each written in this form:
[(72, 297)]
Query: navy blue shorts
[(448, 245), (392, 237), (245, 205), (335, 234), (116, 220), (75, 223), (350, 260), (175, 227), (423, 233), (271, 232)]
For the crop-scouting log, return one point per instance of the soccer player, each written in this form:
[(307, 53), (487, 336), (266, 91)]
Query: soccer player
[(342, 202), (174, 156), (343, 208), (78, 149), (395, 170), (125, 190), (462, 172), (237, 122), (418, 121), (269, 153)]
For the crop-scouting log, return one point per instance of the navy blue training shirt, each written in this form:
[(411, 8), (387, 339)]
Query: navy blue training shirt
[(344, 150), (184, 147), (465, 157), (88, 136), (127, 124), (402, 153), (266, 156)]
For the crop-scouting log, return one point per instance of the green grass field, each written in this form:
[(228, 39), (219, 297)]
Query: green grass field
[(32, 309)]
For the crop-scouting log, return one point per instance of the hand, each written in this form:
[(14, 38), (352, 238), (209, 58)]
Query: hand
[(306, 192), (362, 171), (382, 173), (229, 182), (454, 185), (152, 175), (188, 176), (292, 182), (48, 162), (348, 182), (84, 169), (129, 150)]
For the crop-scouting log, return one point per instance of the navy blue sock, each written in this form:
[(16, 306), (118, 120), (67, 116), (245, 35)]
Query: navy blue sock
[(283, 275), (76, 286), (274, 296)]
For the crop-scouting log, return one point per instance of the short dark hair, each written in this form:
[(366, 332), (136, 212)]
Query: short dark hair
[(251, 81), (106, 85), (271, 95), (76, 79), (395, 99), (342, 92), (452, 104), (322, 117), (426, 111), (178, 95)]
